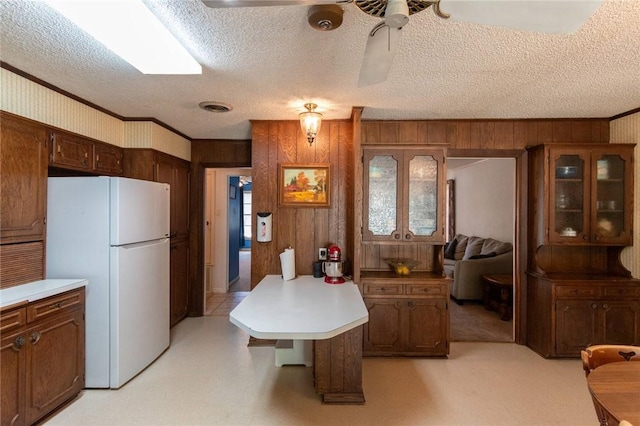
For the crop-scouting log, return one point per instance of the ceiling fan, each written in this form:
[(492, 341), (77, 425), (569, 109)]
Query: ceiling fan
[(546, 16)]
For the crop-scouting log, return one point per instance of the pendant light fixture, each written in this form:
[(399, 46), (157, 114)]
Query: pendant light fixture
[(310, 122)]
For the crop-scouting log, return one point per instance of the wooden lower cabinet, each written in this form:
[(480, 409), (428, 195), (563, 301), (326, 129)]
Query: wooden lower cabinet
[(565, 316), (42, 357), (409, 318), (179, 253)]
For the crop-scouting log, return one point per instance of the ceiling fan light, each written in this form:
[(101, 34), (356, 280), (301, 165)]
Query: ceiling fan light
[(396, 15), (325, 17), (310, 122)]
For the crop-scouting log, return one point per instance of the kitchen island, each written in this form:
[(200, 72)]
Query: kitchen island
[(316, 324)]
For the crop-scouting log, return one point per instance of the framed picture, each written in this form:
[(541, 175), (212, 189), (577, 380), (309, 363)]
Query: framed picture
[(232, 192), (304, 185)]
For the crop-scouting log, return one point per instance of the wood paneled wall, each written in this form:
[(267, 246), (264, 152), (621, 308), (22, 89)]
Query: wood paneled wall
[(304, 229), (486, 134), (207, 153)]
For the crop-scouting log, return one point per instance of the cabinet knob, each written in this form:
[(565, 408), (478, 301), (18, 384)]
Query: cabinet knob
[(407, 237), (18, 343), (410, 304), (383, 289), (605, 306), (397, 236), (594, 306), (35, 337)]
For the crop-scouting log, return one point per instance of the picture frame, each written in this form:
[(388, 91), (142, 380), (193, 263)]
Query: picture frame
[(304, 185)]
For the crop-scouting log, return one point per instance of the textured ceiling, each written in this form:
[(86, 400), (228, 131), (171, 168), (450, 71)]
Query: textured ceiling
[(267, 62)]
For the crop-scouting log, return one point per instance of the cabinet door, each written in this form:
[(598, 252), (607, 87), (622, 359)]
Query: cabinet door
[(423, 196), (426, 326), (180, 194), (55, 363), (71, 151), (577, 326), (13, 377), (620, 322), (179, 280), (23, 180), (382, 332), (612, 195), (569, 212), (382, 195), (108, 159)]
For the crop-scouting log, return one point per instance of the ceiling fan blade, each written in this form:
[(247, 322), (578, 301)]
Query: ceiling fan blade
[(258, 3), (378, 55), (547, 16)]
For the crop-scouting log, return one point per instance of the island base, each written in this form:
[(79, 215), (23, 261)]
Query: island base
[(338, 368)]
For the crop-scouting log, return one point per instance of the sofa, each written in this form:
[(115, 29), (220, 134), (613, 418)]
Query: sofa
[(468, 258)]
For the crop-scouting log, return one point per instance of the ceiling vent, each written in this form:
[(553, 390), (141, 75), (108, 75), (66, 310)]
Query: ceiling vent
[(213, 106)]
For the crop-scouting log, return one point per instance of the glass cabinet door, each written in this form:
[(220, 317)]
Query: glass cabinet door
[(568, 212), (610, 196), (422, 202), (381, 198)]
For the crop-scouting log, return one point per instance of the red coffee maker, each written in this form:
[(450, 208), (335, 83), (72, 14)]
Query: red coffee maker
[(333, 267)]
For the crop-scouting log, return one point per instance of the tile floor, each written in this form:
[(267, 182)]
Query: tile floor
[(221, 304)]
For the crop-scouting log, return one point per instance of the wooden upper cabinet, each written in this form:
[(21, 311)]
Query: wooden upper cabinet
[(403, 195), (590, 194), (23, 180), (71, 151), (107, 159), (74, 152)]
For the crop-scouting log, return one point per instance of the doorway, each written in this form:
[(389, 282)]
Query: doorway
[(482, 203), (224, 217)]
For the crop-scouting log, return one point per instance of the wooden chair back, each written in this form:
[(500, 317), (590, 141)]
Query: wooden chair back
[(597, 355)]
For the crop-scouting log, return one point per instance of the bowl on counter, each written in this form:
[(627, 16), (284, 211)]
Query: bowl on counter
[(402, 266), (566, 172)]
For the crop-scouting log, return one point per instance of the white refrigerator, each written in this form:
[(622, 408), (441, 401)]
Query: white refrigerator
[(115, 233)]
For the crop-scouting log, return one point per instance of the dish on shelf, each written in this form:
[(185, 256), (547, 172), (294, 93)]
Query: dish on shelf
[(566, 172), (568, 232), (402, 266)]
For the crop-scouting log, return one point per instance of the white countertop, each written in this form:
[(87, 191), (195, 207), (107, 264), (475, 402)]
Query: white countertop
[(37, 290), (304, 308)]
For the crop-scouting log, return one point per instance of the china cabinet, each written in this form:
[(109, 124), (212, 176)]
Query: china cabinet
[(580, 219), (569, 312), (403, 195), (42, 356), (407, 316), (402, 216), (589, 198)]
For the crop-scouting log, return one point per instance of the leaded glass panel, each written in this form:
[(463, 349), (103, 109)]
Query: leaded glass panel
[(423, 195), (383, 182)]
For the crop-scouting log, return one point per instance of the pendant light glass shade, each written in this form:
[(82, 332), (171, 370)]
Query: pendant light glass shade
[(310, 122)]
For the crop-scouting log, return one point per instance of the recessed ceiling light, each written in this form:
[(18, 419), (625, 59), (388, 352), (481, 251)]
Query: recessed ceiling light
[(214, 106), (133, 32)]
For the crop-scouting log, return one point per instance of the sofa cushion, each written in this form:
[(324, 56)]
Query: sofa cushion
[(474, 246), (490, 245), (450, 249), (461, 245)]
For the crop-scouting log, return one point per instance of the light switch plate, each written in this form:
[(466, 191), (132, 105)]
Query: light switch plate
[(322, 253)]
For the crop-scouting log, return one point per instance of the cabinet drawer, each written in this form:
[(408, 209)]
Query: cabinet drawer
[(621, 291), (382, 289), (13, 319), (577, 291), (53, 305), (429, 290)]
